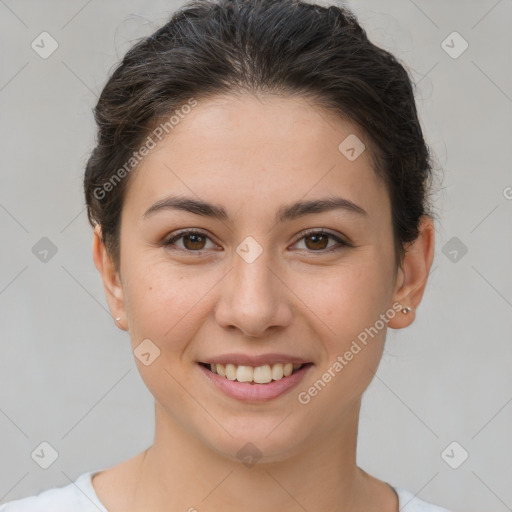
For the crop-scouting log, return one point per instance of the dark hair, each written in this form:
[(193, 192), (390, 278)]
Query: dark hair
[(286, 47)]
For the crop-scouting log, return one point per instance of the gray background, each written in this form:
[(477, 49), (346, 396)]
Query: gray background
[(68, 376)]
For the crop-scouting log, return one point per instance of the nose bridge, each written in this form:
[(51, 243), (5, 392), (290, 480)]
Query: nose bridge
[(253, 279), (252, 298)]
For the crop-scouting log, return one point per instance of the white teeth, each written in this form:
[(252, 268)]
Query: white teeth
[(230, 371), (220, 369), (262, 374), (244, 373), (259, 374), (277, 371), (288, 369)]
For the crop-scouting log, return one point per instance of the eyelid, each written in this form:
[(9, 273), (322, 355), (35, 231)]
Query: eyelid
[(180, 234), (322, 231), (341, 241)]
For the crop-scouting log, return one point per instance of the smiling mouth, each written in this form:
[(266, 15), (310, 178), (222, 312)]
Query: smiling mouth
[(254, 375)]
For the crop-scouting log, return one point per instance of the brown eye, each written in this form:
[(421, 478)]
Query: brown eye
[(192, 241), (317, 241), (195, 241)]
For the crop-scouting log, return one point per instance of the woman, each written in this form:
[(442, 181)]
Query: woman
[(259, 201)]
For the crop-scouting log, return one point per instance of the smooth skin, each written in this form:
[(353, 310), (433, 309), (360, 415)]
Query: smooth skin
[(199, 298)]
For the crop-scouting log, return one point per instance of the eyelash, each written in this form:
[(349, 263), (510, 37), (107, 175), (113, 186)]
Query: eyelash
[(342, 243)]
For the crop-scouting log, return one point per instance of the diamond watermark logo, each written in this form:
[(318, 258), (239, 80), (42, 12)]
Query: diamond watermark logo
[(454, 455), (44, 45), (352, 147), (249, 454), (146, 352), (44, 455), (454, 249), (249, 250), (454, 45), (44, 250)]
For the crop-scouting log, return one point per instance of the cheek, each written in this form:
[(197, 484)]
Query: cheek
[(349, 304), (164, 302), (352, 336), (350, 298), (163, 307)]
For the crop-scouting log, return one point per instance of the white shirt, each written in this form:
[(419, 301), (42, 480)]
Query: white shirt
[(80, 496)]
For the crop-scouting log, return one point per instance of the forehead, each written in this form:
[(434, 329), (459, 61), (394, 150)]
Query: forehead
[(246, 149)]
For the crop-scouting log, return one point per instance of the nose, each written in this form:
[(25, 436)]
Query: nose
[(254, 298)]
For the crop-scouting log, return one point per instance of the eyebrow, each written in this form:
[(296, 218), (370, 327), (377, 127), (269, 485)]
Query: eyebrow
[(284, 213)]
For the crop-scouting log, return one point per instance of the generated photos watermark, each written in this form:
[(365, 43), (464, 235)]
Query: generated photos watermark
[(304, 397), (159, 133)]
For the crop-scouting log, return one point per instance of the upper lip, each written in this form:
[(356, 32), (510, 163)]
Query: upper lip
[(257, 360)]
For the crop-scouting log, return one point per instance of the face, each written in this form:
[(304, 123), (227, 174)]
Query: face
[(261, 280)]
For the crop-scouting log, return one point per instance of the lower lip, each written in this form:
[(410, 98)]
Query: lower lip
[(249, 392)]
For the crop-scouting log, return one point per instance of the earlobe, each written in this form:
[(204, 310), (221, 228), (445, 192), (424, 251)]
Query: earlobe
[(413, 276), (110, 277)]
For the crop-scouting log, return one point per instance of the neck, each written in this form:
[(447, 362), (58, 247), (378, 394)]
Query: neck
[(180, 472)]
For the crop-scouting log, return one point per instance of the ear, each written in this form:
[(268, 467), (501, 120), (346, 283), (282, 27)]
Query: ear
[(412, 276), (110, 277)]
